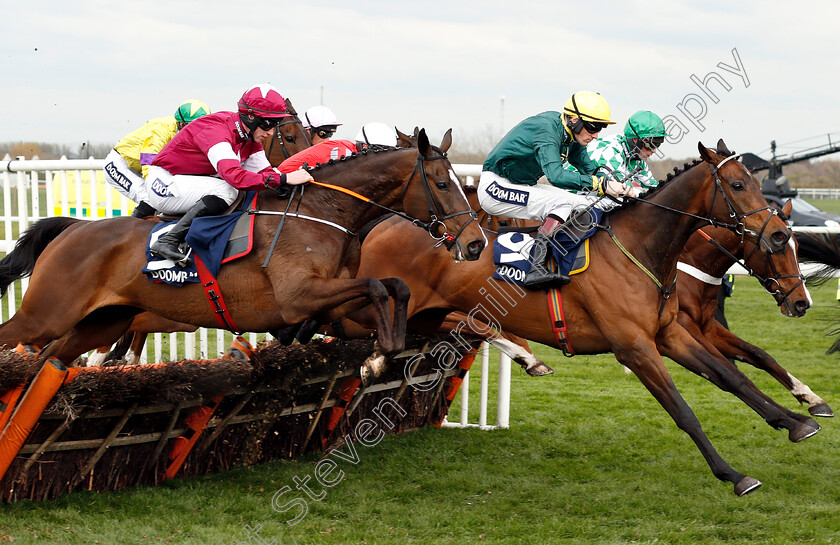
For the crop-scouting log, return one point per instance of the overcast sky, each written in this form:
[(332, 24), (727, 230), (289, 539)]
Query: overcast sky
[(76, 71)]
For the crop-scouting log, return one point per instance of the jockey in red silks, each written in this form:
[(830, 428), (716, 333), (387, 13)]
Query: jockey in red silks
[(201, 170), (371, 134)]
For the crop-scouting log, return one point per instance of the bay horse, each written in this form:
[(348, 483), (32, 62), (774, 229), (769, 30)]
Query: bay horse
[(639, 327), (289, 138), (102, 260)]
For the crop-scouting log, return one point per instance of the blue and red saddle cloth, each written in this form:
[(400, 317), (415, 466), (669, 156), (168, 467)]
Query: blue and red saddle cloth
[(213, 239), (512, 252)]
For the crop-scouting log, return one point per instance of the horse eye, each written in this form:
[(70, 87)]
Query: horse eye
[(738, 186), (290, 139), (443, 186)]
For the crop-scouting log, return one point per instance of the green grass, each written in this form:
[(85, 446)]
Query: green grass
[(827, 205), (590, 458)]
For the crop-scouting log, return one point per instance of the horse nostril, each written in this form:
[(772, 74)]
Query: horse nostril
[(779, 238), (475, 247), (801, 306)]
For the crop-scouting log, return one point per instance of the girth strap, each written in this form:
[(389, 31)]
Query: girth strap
[(214, 295)]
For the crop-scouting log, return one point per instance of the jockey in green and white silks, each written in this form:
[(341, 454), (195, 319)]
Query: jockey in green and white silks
[(626, 153)]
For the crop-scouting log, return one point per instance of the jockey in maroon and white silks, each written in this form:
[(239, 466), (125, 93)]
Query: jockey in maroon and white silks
[(201, 170)]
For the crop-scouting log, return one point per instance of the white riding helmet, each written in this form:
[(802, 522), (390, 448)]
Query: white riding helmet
[(377, 134), (319, 116)]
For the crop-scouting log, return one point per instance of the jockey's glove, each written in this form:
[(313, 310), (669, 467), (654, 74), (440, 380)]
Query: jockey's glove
[(298, 177), (609, 187)]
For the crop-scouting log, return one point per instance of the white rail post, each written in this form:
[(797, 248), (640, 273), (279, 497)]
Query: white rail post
[(503, 408), (485, 370), (465, 400)]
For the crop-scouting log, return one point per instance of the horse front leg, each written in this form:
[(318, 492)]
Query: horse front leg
[(642, 358), (699, 356), (736, 348), (334, 298)]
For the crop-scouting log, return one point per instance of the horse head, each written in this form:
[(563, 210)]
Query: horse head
[(437, 194), (289, 138), (780, 275), (737, 197)]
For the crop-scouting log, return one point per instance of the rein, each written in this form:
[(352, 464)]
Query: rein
[(739, 227), (431, 227)]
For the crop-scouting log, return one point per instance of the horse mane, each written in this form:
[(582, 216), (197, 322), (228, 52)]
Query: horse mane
[(662, 183), (352, 156)]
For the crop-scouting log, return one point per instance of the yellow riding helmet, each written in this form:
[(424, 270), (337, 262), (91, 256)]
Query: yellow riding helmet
[(588, 106)]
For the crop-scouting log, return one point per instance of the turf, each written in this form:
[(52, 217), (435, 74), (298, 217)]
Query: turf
[(590, 457)]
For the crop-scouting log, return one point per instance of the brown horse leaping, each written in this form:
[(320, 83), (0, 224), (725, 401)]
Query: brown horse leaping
[(86, 286), (615, 306)]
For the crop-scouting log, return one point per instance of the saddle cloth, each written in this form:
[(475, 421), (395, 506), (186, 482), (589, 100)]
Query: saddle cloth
[(512, 252), (214, 239)]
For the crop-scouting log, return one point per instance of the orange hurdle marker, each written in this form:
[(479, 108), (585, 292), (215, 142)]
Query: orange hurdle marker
[(344, 395), (198, 418), (455, 382), (31, 407)]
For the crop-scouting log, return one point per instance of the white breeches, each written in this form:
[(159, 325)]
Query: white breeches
[(175, 194), (125, 180), (501, 197)]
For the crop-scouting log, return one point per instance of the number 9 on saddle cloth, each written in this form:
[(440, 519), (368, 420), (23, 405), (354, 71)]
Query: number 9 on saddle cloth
[(512, 251)]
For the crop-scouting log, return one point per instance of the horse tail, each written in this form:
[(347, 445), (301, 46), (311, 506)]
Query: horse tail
[(21, 260), (822, 249)]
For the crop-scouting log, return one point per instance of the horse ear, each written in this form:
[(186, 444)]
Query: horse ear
[(289, 107), (416, 132), (403, 140), (447, 141), (722, 149), (423, 143), (787, 208), (705, 153)]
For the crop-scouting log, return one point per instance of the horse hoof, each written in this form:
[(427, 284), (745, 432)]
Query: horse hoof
[(821, 409), (803, 431), (539, 370), (746, 485), (366, 375)]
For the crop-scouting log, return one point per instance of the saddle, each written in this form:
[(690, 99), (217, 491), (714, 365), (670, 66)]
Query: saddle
[(214, 240)]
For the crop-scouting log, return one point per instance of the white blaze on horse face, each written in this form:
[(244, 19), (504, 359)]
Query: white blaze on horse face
[(807, 293)]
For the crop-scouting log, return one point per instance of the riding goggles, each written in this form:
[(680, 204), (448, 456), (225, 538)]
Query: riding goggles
[(267, 123), (593, 127)]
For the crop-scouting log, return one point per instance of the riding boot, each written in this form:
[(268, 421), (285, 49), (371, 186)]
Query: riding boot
[(143, 210), (540, 278), (168, 245)]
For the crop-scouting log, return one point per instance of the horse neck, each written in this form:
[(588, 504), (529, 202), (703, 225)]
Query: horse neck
[(706, 256), (376, 176), (659, 235)]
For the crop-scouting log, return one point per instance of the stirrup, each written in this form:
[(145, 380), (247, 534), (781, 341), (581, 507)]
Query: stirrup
[(538, 281)]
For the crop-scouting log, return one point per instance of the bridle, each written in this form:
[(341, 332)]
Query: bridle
[(438, 219), (278, 136), (771, 283), (431, 226), (739, 227)]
